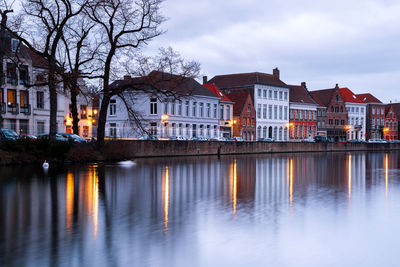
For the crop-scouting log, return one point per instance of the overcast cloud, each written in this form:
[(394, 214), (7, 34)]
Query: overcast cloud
[(353, 43)]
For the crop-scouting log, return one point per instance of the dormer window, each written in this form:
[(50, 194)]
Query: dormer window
[(14, 44)]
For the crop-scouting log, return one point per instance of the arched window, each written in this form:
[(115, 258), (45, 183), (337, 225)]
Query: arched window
[(259, 131), (265, 132), (275, 133)]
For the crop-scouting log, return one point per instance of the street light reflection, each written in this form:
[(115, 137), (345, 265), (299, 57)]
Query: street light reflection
[(349, 175), (69, 199), (165, 187), (386, 174)]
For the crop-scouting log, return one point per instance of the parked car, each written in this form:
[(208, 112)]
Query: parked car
[(236, 139), (148, 137), (58, 137), (27, 137), (321, 139), (394, 141), (268, 140), (356, 141), (377, 141), (309, 140), (73, 138), (7, 134), (178, 138), (219, 138), (198, 138)]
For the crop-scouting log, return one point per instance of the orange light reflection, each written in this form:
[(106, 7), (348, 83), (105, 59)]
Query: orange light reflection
[(166, 199), (69, 199)]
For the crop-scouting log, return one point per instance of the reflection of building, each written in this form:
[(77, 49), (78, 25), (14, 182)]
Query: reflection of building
[(270, 98), (303, 113), (336, 112), (226, 119), (375, 116)]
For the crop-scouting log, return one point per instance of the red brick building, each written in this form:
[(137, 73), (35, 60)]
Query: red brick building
[(336, 112), (375, 116), (244, 115), (391, 130), (302, 113)]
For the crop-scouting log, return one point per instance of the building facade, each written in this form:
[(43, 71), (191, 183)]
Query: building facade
[(375, 116), (244, 116), (270, 98), (302, 114), (194, 115), (357, 113), (391, 130), (336, 112), (226, 120)]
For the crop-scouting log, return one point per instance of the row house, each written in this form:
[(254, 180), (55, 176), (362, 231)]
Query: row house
[(392, 116), (193, 113), (356, 109), (303, 113), (226, 120), (244, 116), (375, 116), (336, 115), (270, 97)]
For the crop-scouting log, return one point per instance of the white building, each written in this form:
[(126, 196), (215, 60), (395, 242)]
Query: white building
[(193, 115), (357, 113), (270, 97)]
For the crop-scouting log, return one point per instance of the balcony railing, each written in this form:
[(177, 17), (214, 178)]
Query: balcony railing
[(3, 108), (26, 109), (13, 109)]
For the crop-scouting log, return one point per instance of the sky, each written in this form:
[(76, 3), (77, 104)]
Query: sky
[(353, 43)]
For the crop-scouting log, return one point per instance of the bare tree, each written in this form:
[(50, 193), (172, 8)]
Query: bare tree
[(41, 31)]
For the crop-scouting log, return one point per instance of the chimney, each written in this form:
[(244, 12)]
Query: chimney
[(275, 72), (204, 79), (337, 86), (304, 85), (127, 77)]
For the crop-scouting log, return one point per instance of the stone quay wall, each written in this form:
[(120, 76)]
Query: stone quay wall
[(136, 148)]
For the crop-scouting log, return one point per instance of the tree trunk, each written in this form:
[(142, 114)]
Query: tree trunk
[(53, 100), (74, 111), (101, 126)]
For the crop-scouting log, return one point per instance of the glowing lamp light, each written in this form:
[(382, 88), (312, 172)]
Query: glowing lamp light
[(164, 117), (95, 111)]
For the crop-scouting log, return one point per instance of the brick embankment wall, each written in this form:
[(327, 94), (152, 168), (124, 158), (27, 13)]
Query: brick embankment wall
[(131, 149)]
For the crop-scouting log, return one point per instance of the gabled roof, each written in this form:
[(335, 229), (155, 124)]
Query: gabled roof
[(396, 109), (37, 61), (158, 81), (239, 99), (368, 98), (300, 94), (213, 88), (246, 79), (323, 97), (349, 96)]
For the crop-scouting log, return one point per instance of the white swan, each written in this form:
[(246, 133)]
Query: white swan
[(45, 165)]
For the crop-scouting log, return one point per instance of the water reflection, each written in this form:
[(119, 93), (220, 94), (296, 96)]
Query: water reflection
[(173, 212)]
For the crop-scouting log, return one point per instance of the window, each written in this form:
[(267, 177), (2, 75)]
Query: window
[(310, 115), (285, 113), (40, 127), (280, 112), (362, 110), (85, 132), (201, 129), (153, 128), (113, 108), (342, 122), (23, 126), (24, 99), (291, 114), (14, 44), (341, 109), (83, 112), (228, 112), (259, 111), (373, 111), (265, 93), (275, 112), (264, 111), (301, 114), (286, 95), (248, 108), (180, 129), (11, 98), (194, 111), (215, 111), (331, 108), (173, 129), (208, 111), (23, 75), (275, 94), (201, 110), (165, 108), (280, 95), (180, 108), (330, 121), (221, 112), (270, 112), (337, 98), (187, 108), (259, 92), (173, 108), (153, 106), (12, 74), (113, 130), (336, 122)]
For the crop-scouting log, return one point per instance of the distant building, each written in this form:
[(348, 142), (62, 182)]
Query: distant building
[(357, 115), (375, 115), (270, 97), (244, 115), (336, 112), (226, 119), (303, 113), (391, 130), (194, 114)]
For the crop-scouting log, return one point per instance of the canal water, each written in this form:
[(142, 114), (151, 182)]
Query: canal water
[(322, 209)]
